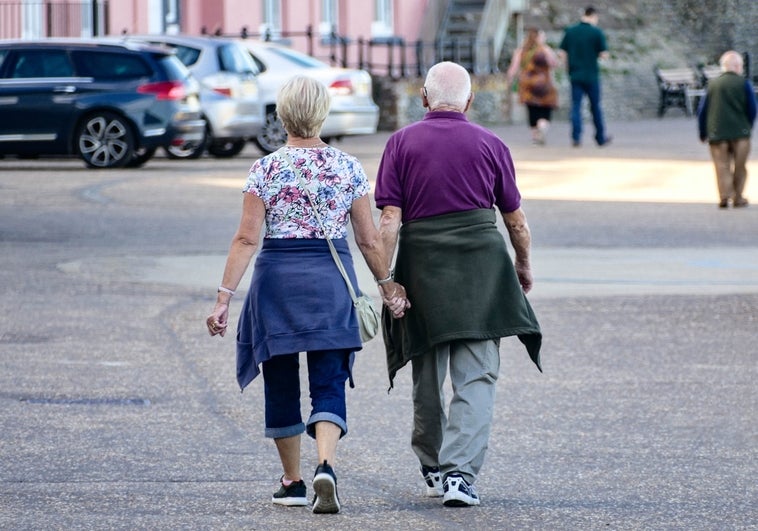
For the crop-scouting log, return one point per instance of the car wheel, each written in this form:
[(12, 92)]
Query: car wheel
[(141, 156), (226, 148), (105, 140), (273, 135), (188, 150)]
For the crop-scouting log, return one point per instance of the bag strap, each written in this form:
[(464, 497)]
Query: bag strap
[(283, 152)]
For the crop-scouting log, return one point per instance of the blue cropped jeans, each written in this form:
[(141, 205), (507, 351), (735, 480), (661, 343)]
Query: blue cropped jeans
[(328, 370)]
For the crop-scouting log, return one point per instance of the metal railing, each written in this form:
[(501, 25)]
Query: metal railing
[(391, 57)]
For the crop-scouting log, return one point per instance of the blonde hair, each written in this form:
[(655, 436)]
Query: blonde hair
[(302, 105), (448, 84)]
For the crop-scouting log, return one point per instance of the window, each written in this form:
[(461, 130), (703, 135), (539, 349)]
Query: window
[(41, 63), (329, 18), (272, 18), (382, 27), (111, 66)]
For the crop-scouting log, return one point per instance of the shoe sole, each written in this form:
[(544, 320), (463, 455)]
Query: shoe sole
[(459, 502), (326, 495), (290, 502)]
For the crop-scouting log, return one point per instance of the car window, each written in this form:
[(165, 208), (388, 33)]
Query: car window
[(111, 66), (305, 61), (233, 59), (3, 54), (175, 70), (186, 54), (40, 63), (261, 66)]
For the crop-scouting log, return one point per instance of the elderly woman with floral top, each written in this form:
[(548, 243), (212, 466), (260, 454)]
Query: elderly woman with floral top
[(298, 300)]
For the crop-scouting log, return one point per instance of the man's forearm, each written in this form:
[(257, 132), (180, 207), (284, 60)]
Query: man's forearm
[(389, 228), (519, 234)]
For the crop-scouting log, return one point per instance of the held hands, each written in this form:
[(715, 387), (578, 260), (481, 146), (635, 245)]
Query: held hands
[(395, 298), (217, 321)]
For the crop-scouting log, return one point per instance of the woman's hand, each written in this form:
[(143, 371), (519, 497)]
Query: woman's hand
[(217, 321), (395, 298)]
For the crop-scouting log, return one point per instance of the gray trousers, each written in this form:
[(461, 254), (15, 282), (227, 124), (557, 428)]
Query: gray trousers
[(456, 441)]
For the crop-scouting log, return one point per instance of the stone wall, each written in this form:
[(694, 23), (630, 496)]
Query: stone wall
[(641, 34)]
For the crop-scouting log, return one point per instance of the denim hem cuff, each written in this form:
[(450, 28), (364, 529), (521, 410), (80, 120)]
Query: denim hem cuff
[(286, 431), (325, 416)]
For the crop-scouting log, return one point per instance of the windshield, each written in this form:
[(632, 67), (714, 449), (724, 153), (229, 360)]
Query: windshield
[(300, 59)]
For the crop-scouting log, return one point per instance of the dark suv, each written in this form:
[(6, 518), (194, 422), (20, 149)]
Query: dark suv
[(113, 105)]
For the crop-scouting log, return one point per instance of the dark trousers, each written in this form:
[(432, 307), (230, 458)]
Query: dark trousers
[(592, 90)]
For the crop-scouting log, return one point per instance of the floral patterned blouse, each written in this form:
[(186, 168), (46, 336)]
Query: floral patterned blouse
[(333, 178)]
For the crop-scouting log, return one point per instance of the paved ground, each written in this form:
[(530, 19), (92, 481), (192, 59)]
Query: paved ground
[(119, 412)]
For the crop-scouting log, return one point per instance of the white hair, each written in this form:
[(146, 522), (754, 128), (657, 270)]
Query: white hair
[(447, 84), (731, 61)]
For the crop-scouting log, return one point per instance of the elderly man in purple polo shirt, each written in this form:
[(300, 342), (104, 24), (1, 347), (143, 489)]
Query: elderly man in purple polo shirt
[(439, 185)]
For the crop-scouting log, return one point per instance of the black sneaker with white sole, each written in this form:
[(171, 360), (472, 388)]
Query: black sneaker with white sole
[(459, 492), (325, 486), (292, 495)]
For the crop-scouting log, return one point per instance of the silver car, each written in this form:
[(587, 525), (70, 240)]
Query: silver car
[(353, 111), (229, 94)]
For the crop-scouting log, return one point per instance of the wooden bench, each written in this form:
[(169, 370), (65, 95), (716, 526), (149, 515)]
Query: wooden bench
[(674, 84)]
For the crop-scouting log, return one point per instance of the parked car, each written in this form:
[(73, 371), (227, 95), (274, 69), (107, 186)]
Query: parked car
[(353, 111), (113, 105), (228, 91)]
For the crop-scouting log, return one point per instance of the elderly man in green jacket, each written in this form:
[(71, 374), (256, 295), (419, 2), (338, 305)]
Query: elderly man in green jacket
[(725, 119)]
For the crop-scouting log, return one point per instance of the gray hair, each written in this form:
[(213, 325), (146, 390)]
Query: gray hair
[(302, 105), (448, 84)]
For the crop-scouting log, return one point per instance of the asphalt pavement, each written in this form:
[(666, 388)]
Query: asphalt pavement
[(120, 412)]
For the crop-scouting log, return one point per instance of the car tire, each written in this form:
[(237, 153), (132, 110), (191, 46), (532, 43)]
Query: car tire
[(226, 148), (188, 151), (105, 140), (273, 135), (141, 156)]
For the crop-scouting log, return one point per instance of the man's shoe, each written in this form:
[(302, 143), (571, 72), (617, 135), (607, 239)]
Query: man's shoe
[(433, 480), (724, 203), (459, 492), (606, 141), (292, 495), (740, 203), (576, 143), (325, 486)]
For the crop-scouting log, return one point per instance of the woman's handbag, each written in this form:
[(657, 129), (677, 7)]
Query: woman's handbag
[(368, 317)]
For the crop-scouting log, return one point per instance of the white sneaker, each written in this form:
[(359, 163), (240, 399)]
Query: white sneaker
[(459, 492), (433, 480)]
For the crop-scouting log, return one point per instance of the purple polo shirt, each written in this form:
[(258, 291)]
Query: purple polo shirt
[(445, 164)]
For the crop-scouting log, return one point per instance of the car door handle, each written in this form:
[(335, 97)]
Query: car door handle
[(67, 89)]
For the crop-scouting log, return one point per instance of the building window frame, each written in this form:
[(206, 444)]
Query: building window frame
[(330, 18), (383, 25), (272, 19)]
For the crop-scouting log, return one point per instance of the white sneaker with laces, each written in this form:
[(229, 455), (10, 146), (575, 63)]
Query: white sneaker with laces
[(459, 492), (433, 481)]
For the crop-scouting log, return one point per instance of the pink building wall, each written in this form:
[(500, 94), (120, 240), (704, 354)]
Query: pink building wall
[(230, 16)]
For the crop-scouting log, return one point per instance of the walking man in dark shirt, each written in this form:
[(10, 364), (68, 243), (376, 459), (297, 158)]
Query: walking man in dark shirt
[(582, 45)]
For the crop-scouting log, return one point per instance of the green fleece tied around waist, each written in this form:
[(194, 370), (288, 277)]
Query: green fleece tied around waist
[(461, 283)]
